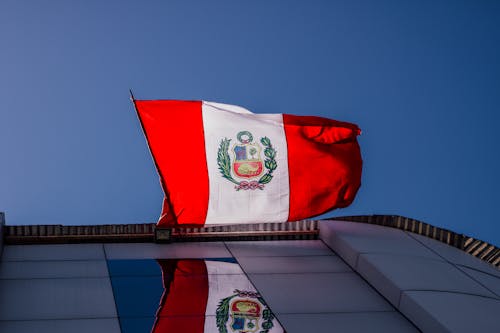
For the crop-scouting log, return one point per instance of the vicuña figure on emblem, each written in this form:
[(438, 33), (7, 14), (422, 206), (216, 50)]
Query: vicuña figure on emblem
[(247, 163)]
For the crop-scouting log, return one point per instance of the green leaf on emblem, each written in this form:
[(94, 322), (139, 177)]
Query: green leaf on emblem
[(223, 160)]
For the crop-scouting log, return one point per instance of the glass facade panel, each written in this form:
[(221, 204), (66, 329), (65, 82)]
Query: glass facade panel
[(188, 295)]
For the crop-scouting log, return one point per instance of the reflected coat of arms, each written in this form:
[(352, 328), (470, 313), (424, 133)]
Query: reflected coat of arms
[(248, 313), (247, 163)]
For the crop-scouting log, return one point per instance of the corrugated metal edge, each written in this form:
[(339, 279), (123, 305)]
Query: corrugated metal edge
[(473, 246), (2, 228), (50, 234), (60, 234)]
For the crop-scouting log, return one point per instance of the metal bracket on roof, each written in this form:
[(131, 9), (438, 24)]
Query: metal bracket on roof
[(163, 235)]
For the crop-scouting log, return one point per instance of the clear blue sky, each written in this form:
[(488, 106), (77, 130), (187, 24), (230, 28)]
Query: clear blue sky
[(421, 78)]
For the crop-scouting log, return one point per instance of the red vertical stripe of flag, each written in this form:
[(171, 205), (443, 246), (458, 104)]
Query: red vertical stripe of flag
[(174, 131), (324, 164)]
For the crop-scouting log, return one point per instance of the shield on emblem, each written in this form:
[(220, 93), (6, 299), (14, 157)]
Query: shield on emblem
[(247, 162), (245, 314)]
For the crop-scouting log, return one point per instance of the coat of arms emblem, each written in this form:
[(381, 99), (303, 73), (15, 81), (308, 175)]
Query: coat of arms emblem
[(244, 312), (247, 163)]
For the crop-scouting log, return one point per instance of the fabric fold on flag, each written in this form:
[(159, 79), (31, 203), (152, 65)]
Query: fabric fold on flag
[(222, 164)]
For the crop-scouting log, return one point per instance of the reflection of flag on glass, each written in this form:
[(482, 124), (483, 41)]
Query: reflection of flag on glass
[(222, 164), (210, 297)]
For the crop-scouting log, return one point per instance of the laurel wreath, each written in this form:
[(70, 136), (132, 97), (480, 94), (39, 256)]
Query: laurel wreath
[(224, 161), (269, 162), (222, 315)]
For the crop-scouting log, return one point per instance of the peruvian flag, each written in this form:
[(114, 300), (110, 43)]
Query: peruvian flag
[(222, 164), (210, 296)]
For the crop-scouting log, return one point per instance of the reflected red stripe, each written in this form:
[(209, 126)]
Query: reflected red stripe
[(184, 300)]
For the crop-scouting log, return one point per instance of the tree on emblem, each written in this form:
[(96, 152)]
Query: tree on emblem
[(253, 151), (246, 138)]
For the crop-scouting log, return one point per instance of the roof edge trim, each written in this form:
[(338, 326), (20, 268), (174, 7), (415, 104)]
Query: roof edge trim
[(480, 249)]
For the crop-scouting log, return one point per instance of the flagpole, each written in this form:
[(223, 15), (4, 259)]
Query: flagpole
[(132, 96)]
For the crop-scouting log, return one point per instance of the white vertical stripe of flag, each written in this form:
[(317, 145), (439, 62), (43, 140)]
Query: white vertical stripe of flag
[(226, 205)]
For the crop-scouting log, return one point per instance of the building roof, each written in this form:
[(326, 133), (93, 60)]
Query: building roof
[(306, 229), (380, 272)]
